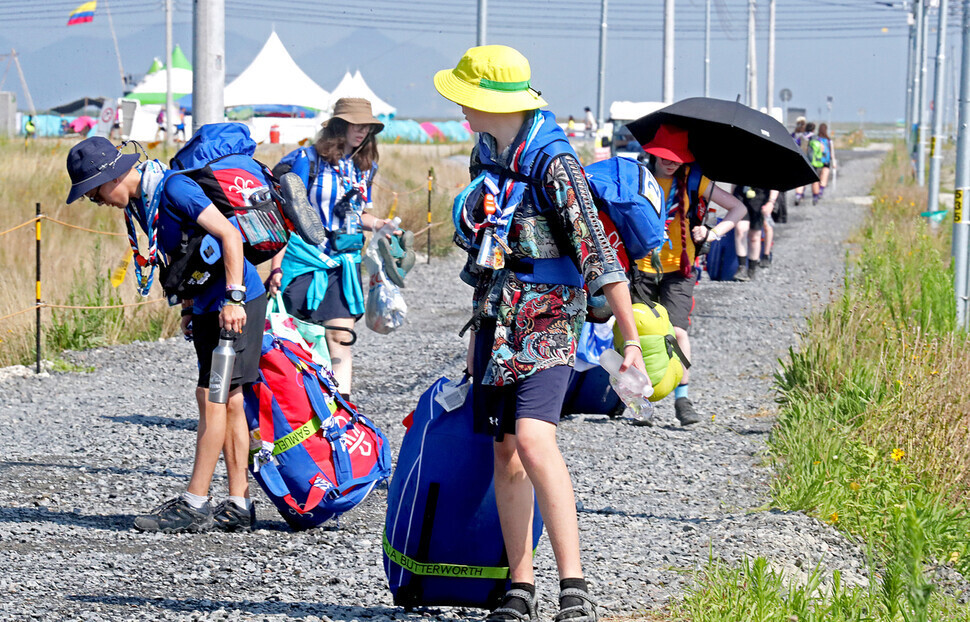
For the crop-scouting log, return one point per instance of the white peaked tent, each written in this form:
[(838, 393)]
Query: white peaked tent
[(274, 79), (354, 86)]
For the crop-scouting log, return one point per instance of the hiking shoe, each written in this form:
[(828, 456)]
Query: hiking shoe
[(508, 614), (397, 254), (751, 273), (741, 274), (765, 261), (798, 199), (583, 612), (297, 209), (176, 516), (685, 411), (230, 517)]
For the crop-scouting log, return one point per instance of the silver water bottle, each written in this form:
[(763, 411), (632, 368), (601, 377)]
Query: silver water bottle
[(220, 374)]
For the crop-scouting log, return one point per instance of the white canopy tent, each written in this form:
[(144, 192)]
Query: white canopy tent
[(355, 86), (274, 79)]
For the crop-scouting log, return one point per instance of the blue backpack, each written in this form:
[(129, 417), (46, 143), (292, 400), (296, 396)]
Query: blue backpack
[(627, 191), (442, 538), (219, 158)]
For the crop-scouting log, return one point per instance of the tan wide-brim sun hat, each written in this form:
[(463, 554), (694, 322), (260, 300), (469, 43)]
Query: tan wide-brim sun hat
[(490, 78), (356, 110)]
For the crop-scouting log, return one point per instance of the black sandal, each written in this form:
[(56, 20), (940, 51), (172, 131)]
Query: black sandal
[(584, 612), (507, 614)]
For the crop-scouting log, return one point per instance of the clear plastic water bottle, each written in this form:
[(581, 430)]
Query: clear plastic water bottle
[(389, 227), (632, 385), (220, 374)]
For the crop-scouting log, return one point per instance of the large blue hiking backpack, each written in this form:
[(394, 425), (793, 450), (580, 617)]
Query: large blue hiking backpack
[(442, 538), (219, 158)]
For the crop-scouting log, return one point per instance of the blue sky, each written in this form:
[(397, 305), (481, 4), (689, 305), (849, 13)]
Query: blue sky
[(852, 50)]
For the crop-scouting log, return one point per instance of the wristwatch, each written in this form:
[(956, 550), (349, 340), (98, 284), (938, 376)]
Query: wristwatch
[(235, 296)]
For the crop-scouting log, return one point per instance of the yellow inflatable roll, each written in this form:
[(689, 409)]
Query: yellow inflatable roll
[(656, 340)]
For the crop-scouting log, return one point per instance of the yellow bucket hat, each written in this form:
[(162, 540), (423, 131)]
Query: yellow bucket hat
[(490, 78)]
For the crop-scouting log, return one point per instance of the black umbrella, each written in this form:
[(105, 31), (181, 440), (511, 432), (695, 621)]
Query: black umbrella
[(733, 143)]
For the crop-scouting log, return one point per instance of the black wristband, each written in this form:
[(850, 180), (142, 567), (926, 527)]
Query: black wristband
[(186, 311)]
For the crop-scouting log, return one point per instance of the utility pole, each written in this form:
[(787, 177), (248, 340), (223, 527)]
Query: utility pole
[(668, 72), (923, 90), (961, 219), (707, 49), (752, 58), (601, 85), (910, 64), (770, 79), (482, 20), (936, 143), (168, 74), (209, 62), (917, 55)]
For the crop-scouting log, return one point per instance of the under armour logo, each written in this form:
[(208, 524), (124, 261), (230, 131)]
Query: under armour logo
[(493, 420)]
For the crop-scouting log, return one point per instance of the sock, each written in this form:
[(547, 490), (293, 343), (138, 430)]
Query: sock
[(752, 264), (680, 391), (194, 500), (241, 502), (741, 261), (514, 602), (571, 601)]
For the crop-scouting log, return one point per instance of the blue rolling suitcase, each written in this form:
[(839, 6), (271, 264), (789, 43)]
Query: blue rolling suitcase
[(442, 539)]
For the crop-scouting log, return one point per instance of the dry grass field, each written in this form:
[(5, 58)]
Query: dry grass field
[(76, 263)]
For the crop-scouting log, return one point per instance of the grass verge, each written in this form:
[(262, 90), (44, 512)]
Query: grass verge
[(873, 436)]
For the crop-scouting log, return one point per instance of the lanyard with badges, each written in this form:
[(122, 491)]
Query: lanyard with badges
[(350, 182)]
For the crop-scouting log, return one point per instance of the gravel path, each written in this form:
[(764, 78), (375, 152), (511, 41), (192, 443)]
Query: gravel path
[(86, 452)]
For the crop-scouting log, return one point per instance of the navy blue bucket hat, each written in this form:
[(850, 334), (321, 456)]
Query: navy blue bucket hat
[(95, 161)]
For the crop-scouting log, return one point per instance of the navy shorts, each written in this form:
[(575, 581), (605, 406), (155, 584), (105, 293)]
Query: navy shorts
[(496, 409), (333, 306), (675, 293), (248, 344)]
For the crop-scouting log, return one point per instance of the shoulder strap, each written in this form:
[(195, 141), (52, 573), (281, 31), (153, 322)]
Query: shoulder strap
[(693, 191)]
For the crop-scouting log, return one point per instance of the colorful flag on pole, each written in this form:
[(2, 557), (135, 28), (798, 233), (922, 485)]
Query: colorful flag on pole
[(83, 14)]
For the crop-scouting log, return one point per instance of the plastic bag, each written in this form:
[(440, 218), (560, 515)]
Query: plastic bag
[(385, 309), (311, 337)]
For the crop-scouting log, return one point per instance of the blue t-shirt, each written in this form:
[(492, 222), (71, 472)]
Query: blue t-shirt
[(181, 203)]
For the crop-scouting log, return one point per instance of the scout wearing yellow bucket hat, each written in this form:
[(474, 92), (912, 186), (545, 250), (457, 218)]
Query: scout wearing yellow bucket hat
[(520, 369), (490, 78)]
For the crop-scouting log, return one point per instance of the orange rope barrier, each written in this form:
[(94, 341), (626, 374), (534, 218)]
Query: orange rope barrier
[(386, 189), (67, 224), (133, 304), (21, 225), (50, 306), (434, 224), (17, 313)]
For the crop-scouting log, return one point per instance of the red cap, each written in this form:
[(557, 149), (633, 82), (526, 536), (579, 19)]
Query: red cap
[(670, 143)]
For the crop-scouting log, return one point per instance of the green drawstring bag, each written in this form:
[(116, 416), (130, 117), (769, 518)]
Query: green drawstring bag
[(662, 357), (311, 337)]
